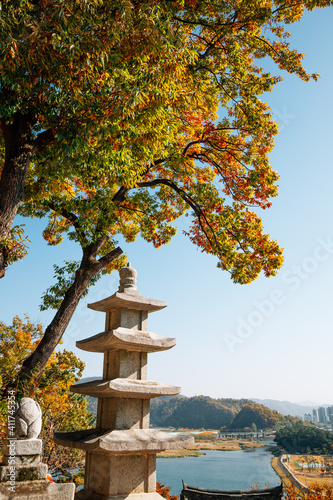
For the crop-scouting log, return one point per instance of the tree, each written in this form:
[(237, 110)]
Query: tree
[(304, 438), (254, 413), (315, 492), (109, 126), (62, 410)]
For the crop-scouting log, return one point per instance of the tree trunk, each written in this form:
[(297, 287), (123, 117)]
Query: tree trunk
[(34, 365), (18, 148)]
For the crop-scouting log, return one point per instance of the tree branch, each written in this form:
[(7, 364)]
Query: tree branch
[(42, 140), (72, 218), (120, 195), (189, 200)]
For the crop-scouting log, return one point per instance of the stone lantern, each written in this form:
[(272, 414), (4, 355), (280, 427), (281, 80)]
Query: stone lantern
[(22, 473), (121, 450)]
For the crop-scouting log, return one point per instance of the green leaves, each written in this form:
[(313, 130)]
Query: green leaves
[(64, 276), (132, 92)]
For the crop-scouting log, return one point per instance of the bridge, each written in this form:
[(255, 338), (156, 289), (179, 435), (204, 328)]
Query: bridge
[(246, 435)]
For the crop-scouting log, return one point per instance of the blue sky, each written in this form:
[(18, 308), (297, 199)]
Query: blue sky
[(270, 339)]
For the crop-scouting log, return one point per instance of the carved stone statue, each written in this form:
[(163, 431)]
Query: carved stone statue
[(28, 419)]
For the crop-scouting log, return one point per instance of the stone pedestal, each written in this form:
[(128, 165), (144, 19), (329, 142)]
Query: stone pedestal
[(121, 451), (22, 473), (38, 490)]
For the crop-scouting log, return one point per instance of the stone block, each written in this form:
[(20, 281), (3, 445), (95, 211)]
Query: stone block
[(21, 459), (90, 495), (37, 490), (120, 474), (23, 447), (23, 472), (116, 413)]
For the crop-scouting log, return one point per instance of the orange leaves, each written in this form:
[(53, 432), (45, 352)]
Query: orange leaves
[(133, 95), (315, 492), (164, 491), (236, 237), (15, 246)]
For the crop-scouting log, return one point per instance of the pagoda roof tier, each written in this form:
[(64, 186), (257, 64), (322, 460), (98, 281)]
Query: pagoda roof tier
[(125, 388), (121, 442), (128, 301), (128, 339)]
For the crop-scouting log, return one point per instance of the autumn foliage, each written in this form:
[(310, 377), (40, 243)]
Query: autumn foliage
[(304, 437), (261, 416), (119, 117), (315, 492), (164, 491), (62, 410), (119, 114)]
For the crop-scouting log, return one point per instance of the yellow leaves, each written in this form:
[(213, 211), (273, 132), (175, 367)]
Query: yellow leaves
[(15, 245), (134, 95)]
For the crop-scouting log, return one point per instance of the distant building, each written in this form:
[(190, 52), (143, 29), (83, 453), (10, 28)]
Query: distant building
[(307, 417), (329, 412), (314, 415), (322, 415)]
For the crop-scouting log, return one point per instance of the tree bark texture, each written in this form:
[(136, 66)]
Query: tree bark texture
[(18, 149)]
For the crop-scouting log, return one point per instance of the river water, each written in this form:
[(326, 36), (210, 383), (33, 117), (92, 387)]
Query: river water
[(223, 470)]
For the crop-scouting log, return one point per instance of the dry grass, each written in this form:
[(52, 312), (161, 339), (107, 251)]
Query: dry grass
[(313, 476), (179, 453), (211, 444)]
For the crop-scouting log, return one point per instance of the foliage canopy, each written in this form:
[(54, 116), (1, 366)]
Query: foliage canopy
[(120, 103), (119, 117), (304, 438)]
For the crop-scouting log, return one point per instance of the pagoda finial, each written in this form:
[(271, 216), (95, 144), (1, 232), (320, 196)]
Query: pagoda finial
[(128, 280)]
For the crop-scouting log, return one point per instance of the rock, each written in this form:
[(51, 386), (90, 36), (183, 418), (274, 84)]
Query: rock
[(28, 419)]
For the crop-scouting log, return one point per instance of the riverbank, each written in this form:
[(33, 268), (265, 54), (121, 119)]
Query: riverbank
[(201, 446), (280, 472), (312, 469), (306, 469)]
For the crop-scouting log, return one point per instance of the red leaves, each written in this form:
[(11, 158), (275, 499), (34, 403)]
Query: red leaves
[(164, 491)]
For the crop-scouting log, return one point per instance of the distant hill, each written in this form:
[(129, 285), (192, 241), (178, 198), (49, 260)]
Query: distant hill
[(262, 417), (194, 413), (285, 407), (208, 413)]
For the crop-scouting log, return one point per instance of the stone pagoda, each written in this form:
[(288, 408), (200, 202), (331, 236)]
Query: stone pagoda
[(121, 450)]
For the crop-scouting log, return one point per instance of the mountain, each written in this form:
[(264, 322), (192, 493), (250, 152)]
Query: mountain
[(262, 417), (194, 413), (313, 404), (285, 407)]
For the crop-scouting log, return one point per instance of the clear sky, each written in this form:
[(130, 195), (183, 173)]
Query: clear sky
[(270, 339)]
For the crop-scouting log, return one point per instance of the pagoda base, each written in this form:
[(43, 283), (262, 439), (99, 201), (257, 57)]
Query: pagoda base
[(37, 490), (114, 475)]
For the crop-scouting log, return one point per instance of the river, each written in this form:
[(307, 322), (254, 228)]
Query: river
[(224, 470)]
